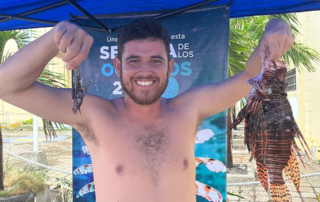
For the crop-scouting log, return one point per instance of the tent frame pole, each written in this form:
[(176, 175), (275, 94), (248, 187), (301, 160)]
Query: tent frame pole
[(37, 10), (9, 17), (229, 4), (82, 10), (192, 6)]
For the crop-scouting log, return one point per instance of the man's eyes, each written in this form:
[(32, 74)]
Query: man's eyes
[(156, 61), (153, 61), (134, 61)]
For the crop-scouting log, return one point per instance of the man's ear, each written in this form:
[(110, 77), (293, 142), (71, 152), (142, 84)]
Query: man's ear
[(171, 65), (117, 65)]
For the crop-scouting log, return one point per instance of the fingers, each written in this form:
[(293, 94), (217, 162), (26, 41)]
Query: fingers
[(65, 41), (74, 42), (262, 54), (284, 44), (275, 46), (81, 55), (289, 43), (274, 49), (277, 40), (60, 30), (281, 48), (72, 50)]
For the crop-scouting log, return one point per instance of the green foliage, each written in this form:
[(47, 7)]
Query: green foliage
[(245, 34), (29, 121), (52, 79), (19, 36)]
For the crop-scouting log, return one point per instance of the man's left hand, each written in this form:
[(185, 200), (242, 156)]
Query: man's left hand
[(277, 39)]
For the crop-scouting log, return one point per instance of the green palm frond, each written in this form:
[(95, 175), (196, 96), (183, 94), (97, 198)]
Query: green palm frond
[(302, 56), (19, 36), (52, 79), (245, 34)]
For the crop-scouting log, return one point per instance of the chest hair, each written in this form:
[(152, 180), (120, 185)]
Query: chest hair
[(152, 143)]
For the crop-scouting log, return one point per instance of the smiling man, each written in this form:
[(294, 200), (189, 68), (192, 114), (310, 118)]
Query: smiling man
[(141, 145)]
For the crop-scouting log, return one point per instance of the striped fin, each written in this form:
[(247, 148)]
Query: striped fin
[(280, 193), (263, 174), (292, 170)]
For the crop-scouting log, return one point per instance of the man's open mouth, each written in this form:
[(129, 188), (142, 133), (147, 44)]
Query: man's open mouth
[(145, 83)]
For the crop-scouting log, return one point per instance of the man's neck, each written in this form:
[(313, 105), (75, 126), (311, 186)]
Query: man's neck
[(143, 113)]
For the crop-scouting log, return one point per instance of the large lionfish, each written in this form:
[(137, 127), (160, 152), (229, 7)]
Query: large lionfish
[(270, 130)]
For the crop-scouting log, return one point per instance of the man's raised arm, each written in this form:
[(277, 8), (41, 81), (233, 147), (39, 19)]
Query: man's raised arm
[(19, 73), (214, 98)]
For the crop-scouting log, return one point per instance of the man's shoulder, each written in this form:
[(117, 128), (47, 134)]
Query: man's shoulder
[(98, 111), (95, 105), (99, 101), (185, 101)]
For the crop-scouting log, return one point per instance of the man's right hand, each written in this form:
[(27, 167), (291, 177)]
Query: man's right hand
[(73, 41)]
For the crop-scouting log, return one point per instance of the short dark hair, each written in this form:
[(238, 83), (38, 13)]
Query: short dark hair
[(143, 28)]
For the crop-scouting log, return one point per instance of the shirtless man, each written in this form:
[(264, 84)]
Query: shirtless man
[(142, 146)]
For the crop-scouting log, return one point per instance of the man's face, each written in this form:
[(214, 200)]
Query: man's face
[(144, 70)]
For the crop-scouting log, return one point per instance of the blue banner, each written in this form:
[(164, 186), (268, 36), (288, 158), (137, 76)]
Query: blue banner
[(199, 46)]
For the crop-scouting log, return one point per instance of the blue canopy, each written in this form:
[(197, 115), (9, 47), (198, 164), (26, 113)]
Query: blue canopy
[(61, 9)]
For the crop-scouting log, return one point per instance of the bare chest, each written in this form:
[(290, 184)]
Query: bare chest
[(154, 150), (154, 146)]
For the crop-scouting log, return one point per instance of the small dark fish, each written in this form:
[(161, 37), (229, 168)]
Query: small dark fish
[(78, 92)]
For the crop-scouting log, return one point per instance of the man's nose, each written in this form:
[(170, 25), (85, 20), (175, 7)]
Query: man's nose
[(145, 67)]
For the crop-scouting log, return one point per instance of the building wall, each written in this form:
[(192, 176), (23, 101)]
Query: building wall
[(10, 114), (305, 99)]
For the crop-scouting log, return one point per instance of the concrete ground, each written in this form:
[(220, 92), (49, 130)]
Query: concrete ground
[(245, 171)]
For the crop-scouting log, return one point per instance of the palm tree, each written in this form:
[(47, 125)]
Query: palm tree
[(245, 34)]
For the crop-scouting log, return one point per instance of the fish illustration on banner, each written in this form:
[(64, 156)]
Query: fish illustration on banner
[(200, 53), (213, 165)]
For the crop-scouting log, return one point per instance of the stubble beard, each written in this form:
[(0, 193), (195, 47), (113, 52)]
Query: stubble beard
[(145, 99)]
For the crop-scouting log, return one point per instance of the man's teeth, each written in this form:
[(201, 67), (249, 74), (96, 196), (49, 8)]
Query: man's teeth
[(145, 83)]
